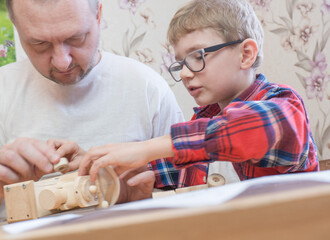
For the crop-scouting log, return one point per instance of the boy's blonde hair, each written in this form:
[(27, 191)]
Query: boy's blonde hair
[(232, 19)]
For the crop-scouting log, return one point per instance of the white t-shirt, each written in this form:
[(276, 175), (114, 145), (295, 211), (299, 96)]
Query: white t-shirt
[(120, 100)]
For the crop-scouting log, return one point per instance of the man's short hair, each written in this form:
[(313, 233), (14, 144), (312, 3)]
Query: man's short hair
[(9, 4)]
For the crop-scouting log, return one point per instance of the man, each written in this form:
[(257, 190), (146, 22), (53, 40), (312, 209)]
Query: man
[(69, 89)]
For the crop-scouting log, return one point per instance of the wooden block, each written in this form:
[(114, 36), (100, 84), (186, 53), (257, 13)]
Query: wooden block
[(20, 201), (325, 164), (163, 194), (192, 188), (213, 180)]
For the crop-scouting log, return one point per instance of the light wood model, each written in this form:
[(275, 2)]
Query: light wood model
[(30, 200)]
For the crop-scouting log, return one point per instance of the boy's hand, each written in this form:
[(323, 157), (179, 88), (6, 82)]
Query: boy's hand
[(68, 149), (124, 155)]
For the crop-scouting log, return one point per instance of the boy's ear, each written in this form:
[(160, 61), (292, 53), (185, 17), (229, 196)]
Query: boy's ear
[(249, 52)]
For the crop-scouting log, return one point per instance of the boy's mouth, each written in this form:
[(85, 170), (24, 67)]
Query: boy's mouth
[(194, 91), (193, 88)]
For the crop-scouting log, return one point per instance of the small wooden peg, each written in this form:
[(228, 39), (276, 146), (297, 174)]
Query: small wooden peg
[(215, 180), (104, 204), (92, 189), (62, 165)]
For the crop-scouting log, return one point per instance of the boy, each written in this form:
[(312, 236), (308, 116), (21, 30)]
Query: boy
[(261, 127)]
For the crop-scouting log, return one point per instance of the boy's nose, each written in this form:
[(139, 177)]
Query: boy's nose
[(186, 74), (61, 58)]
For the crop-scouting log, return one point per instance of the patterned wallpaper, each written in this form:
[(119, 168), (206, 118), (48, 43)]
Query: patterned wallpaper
[(7, 48), (296, 48)]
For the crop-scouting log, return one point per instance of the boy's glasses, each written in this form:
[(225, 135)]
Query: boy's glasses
[(195, 60)]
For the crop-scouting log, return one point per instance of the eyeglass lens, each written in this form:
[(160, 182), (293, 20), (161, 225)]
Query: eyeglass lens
[(194, 61)]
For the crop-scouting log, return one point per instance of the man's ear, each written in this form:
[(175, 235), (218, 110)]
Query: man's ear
[(249, 52), (99, 13)]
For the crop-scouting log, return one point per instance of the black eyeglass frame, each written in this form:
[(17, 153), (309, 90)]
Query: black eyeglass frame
[(202, 52)]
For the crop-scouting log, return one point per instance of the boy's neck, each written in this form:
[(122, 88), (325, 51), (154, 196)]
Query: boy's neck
[(249, 78)]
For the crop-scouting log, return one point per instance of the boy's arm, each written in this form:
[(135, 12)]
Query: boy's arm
[(268, 133), (125, 155)]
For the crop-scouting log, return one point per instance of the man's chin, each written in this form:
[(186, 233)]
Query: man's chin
[(69, 80), (65, 82)]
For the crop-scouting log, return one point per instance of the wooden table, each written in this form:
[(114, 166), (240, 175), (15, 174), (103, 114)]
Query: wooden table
[(289, 214)]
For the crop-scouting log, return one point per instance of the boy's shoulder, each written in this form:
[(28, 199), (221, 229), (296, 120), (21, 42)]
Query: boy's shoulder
[(267, 90)]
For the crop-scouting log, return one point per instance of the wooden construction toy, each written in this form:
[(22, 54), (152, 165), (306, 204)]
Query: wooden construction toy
[(30, 200)]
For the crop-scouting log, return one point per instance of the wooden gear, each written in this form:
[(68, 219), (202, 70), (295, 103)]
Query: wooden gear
[(30, 200)]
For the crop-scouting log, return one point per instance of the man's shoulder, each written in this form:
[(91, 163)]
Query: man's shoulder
[(127, 67), (108, 56)]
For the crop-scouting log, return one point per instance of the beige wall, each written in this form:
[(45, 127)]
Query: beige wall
[(296, 48)]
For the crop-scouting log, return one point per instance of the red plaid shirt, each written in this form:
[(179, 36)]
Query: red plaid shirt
[(265, 131)]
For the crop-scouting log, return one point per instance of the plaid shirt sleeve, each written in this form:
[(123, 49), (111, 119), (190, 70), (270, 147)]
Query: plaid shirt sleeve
[(271, 130)]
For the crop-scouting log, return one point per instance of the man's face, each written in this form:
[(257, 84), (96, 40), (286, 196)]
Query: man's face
[(60, 37)]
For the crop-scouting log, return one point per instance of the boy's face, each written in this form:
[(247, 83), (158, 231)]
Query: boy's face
[(222, 78)]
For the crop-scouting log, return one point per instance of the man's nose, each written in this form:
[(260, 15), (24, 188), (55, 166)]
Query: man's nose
[(61, 58)]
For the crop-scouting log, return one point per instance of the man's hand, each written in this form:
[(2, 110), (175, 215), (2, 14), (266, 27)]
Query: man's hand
[(25, 159), (135, 184), (68, 149)]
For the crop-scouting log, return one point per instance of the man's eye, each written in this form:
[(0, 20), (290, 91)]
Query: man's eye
[(76, 41), (41, 46), (39, 43)]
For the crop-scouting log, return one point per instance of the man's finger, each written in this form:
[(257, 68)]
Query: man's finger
[(16, 164), (142, 178), (40, 154), (7, 176)]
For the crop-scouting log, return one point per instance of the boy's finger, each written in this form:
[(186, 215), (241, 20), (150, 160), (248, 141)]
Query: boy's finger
[(84, 166)]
